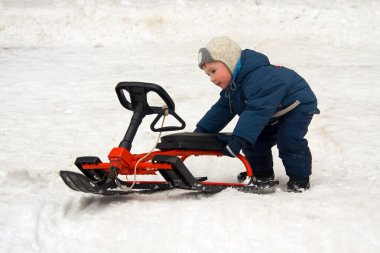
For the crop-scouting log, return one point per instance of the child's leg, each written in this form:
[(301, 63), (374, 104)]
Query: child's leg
[(260, 155), (293, 147)]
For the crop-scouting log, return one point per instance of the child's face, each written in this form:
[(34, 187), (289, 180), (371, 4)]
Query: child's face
[(218, 73)]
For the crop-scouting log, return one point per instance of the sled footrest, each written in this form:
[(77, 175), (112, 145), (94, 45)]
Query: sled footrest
[(93, 175), (180, 176)]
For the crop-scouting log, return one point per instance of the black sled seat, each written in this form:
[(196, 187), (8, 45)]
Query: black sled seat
[(191, 141)]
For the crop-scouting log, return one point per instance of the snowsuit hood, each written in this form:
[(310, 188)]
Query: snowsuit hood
[(251, 60)]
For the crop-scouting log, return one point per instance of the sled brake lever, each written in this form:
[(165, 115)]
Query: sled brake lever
[(164, 112)]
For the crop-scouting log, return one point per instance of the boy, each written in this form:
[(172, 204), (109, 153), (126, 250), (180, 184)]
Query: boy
[(275, 106)]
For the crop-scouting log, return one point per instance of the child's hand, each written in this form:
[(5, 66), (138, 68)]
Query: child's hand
[(233, 144)]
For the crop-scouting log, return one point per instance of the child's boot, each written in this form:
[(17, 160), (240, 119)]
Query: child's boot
[(260, 183), (298, 184)]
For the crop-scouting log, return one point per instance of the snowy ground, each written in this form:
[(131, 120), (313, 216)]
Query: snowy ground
[(59, 63)]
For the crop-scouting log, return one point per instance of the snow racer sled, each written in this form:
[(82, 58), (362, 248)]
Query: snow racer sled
[(166, 160)]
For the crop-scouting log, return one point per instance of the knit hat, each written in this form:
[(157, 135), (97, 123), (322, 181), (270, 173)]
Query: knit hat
[(221, 49)]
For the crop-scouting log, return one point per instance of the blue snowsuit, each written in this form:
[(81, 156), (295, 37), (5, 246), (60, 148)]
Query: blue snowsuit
[(257, 90)]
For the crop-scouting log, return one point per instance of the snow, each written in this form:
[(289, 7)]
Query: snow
[(59, 63)]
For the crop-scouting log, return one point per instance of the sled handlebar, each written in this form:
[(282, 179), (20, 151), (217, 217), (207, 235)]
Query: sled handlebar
[(138, 94), (138, 103)]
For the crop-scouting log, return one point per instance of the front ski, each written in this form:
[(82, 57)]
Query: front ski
[(79, 182)]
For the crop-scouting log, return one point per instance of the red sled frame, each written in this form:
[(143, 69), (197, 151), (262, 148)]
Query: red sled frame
[(102, 178), (125, 162)]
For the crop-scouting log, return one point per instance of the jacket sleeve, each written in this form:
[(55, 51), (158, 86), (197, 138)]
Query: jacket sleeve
[(263, 95), (217, 117)]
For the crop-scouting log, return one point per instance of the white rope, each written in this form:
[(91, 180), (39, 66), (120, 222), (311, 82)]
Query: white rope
[(166, 113)]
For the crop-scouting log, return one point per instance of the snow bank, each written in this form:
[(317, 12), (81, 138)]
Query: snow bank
[(29, 23)]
